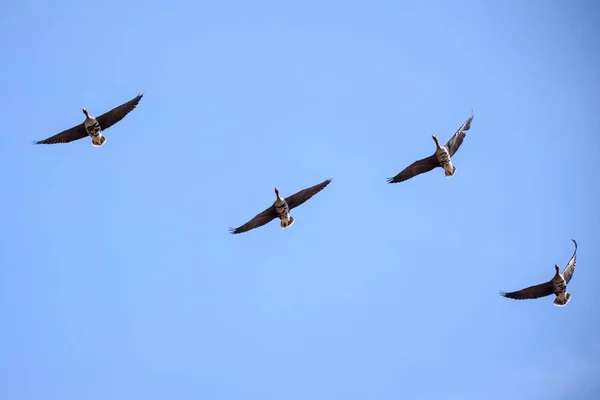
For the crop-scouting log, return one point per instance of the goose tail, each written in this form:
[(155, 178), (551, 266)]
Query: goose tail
[(449, 174), (562, 299), (98, 141), (287, 223)]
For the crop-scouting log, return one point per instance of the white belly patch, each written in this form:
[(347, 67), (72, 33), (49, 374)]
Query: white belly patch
[(448, 167)]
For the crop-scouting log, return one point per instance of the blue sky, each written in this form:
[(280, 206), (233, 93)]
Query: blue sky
[(119, 278)]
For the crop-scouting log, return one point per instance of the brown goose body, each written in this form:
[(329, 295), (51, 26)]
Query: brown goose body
[(281, 209), (442, 157), (94, 126), (557, 285)]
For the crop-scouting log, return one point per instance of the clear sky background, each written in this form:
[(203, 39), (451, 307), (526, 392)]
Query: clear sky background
[(119, 279)]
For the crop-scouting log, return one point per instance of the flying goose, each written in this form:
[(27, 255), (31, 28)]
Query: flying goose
[(557, 285), (442, 157), (281, 209), (93, 126)]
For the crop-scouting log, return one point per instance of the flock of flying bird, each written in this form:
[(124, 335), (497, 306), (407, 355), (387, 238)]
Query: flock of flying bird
[(94, 127)]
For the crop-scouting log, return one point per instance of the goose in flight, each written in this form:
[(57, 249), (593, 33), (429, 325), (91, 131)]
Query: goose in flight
[(281, 209), (442, 157), (94, 126), (557, 285)]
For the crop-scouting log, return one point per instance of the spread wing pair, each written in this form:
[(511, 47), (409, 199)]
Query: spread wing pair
[(292, 201), (546, 288), (428, 163), (106, 120)]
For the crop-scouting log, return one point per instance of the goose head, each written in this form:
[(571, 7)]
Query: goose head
[(277, 193), (85, 111), (435, 139), (557, 268)]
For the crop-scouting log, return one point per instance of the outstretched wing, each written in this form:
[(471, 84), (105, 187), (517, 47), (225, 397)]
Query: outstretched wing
[(418, 167), (570, 268), (259, 220), (75, 133), (297, 199), (532, 292), (110, 118), (458, 137)]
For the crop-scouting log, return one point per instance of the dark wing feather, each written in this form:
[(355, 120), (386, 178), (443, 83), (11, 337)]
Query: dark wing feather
[(297, 199), (75, 133), (259, 220), (418, 167), (458, 137), (570, 268), (532, 292), (110, 118)]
